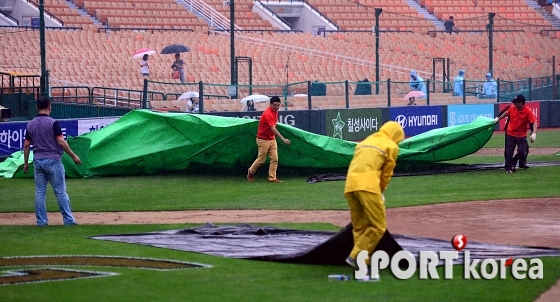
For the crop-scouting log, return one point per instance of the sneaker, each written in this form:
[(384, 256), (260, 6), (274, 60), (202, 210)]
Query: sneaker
[(352, 262), (275, 181), (508, 172), (250, 175), (514, 169)]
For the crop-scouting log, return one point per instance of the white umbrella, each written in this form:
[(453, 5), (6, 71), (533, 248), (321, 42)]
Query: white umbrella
[(300, 94), (188, 95), (144, 51), (256, 98)]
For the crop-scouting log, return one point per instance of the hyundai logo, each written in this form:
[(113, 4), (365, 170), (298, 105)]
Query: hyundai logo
[(401, 119)]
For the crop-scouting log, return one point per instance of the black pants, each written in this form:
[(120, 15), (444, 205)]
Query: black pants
[(516, 158), (522, 146)]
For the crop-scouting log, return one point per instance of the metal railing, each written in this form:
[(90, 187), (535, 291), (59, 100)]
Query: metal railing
[(37, 27), (327, 55), (152, 29), (6, 15), (275, 15), (46, 12), (209, 13)]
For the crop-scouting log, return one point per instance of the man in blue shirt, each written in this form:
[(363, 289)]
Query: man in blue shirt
[(46, 136)]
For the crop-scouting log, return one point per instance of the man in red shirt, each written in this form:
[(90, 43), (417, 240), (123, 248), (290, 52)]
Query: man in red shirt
[(266, 141), (516, 133)]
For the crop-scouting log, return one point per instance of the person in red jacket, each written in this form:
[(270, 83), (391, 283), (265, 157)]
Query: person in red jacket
[(266, 141), (516, 133)]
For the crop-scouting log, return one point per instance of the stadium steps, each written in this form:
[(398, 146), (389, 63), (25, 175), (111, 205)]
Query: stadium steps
[(437, 23), (541, 10), (83, 13), (203, 11)]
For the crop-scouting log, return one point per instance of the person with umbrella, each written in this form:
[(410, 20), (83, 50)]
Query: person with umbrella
[(145, 66), (144, 53), (192, 105), (411, 97), (178, 65)]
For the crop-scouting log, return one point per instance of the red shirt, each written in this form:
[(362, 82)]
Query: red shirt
[(519, 120), (268, 118)]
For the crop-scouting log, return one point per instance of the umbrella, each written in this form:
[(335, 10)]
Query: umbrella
[(415, 94), (300, 94), (144, 51), (188, 95), (256, 98), (174, 48)]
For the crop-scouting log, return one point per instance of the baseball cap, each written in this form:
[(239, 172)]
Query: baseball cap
[(519, 99)]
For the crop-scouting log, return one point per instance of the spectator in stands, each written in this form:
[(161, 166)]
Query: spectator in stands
[(249, 106), (489, 88), (266, 142), (145, 66), (458, 84), (368, 176), (46, 136), (519, 117), (411, 101), (179, 65), (363, 87), (450, 25), (192, 105), (416, 82)]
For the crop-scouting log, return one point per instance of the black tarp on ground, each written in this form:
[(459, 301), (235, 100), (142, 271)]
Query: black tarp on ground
[(425, 168), (300, 246)]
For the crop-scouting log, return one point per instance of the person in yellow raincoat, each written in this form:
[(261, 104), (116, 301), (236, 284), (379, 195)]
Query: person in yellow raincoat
[(369, 174)]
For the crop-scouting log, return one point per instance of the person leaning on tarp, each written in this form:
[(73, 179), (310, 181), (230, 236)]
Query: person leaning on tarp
[(520, 116), (266, 142), (516, 157), (368, 176)]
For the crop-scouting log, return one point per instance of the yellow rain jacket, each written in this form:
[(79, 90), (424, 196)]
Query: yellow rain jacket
[(374, 159)]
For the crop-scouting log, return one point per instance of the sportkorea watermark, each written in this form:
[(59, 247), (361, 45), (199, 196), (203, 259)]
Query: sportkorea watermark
[(428, 261)]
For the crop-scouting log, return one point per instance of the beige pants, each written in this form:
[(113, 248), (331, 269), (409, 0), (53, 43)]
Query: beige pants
[(369, 222), (267, 147)]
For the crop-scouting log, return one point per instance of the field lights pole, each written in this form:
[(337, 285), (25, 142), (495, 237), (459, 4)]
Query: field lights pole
[(44, 83), (232, 40), (377, 13), (490, 28)]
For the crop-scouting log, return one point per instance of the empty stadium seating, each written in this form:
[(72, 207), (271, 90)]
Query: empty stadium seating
[(89, 57)]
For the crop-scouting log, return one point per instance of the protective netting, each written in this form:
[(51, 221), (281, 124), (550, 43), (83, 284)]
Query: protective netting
[(146, 142)]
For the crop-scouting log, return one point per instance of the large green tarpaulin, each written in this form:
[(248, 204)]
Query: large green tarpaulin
[(146, 142)]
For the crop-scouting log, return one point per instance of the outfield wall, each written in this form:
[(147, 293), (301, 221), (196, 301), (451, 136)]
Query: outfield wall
[(347, 124)]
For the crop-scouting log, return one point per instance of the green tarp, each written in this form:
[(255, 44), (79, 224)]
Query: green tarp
[(146, 142)]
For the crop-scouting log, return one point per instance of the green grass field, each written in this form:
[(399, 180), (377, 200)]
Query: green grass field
[(246, 280)]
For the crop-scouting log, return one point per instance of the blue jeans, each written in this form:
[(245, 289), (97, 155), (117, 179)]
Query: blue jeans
[(50, 170)]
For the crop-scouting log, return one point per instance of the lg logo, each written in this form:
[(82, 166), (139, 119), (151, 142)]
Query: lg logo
[(401, 119)]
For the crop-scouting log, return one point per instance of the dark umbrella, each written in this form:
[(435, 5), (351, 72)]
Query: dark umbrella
[(174, 48)]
